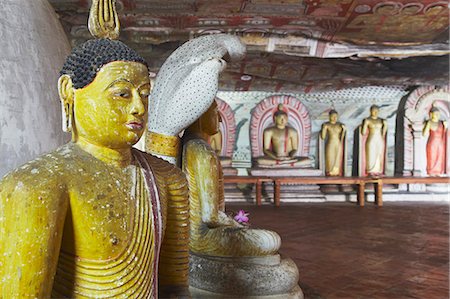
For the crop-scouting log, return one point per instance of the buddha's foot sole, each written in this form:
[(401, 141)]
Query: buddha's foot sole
[(221, 277)]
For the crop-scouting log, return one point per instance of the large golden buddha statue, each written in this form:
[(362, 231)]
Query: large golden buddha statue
[(333, 133), (373, 130), (280, 144), (96, 218), (436, 129), (213, 233)]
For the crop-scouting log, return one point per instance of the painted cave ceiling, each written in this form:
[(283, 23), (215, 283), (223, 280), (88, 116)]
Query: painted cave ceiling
[(292, 45)]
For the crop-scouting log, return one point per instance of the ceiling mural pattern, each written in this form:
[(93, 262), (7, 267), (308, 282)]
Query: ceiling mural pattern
[(288, 40)]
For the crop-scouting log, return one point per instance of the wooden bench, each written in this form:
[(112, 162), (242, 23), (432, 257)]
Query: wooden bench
[(361, 182), (395, 180), (301, 180), (320, 180), (257, 180)]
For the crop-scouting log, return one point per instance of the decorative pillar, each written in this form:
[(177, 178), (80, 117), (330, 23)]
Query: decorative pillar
[(419, 154)]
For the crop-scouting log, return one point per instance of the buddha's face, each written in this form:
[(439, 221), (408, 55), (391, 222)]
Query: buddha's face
[(333, 118), (281, 120), (210, 120), (112, 110), (374, 112), (435, 115)]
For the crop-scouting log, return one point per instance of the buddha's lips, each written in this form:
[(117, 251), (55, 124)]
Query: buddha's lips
[(135, 125)]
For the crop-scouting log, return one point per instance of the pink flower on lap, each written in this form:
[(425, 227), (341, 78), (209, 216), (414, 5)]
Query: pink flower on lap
[(242, 217)]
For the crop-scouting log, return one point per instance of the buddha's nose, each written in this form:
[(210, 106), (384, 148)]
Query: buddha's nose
[(137, 107)]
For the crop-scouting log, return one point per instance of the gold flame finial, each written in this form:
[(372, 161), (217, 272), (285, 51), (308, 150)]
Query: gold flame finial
[(103, 19)]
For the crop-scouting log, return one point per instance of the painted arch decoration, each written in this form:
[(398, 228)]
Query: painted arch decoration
[(227, 128)]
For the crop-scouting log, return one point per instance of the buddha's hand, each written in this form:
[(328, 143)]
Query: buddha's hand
[(187, 83)]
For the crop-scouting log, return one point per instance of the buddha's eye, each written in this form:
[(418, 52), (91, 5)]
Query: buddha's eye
[(144, 94), (122, 93)]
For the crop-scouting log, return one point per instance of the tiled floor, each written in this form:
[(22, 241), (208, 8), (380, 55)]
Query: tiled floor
[(343, 251)]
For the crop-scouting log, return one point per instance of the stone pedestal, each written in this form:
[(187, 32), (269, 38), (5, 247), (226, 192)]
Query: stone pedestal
[(243, 277)]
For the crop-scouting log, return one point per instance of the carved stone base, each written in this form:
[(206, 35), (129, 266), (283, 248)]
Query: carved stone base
[(243, 277), (229, 171)]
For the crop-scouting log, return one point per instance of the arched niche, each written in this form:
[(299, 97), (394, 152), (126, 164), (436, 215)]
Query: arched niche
[(298, 118), (227, 128), (415, 110)]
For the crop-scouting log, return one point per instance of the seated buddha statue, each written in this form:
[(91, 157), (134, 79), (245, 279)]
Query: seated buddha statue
[(212, 232), (436, 130), (280, 144)]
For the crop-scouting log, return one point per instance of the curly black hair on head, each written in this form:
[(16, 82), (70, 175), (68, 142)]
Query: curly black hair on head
[(87, 59), (332, 111)]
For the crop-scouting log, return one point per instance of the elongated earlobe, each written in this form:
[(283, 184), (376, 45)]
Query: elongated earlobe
[(66, 96)]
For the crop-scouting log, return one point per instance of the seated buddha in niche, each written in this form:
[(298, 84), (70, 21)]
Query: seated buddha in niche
[(436, 147), (212, 232), (280, 144)]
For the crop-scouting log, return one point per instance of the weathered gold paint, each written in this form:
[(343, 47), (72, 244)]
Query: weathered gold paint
[(76, 222), (103, 19), (214, 233), (376, 129), (333, 133)]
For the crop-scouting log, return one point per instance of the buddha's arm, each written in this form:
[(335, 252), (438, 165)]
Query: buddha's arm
[(365, 126), (294, 142), (426, 128), (201, 167), (384, 127), (267, 140), (174, 254), (323, 131), (32, 213), (343, 132), (445, 124)]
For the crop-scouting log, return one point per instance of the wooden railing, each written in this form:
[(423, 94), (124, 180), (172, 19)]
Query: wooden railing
[(360, 182)]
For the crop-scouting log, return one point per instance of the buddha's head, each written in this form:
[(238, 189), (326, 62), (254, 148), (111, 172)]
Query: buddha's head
[(374, 109), (208, 123), (280, 117), (104, 88), (435, 114), (333, 116)]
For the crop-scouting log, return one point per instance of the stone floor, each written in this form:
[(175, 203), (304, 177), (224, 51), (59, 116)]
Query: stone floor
[(343, 251)]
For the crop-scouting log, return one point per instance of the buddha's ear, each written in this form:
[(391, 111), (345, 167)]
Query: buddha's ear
[(66, 96)]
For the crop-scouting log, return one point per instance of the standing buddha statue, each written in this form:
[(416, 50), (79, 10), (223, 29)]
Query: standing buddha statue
[(280, 144), (436, 144), (374, 129), (333, 133)]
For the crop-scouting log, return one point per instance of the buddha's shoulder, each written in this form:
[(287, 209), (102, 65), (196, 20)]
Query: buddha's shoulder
[(198, 148), (48, 169), (44, 172)]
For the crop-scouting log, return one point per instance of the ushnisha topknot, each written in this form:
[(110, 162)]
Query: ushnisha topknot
[(280, 111), (87, 59)]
